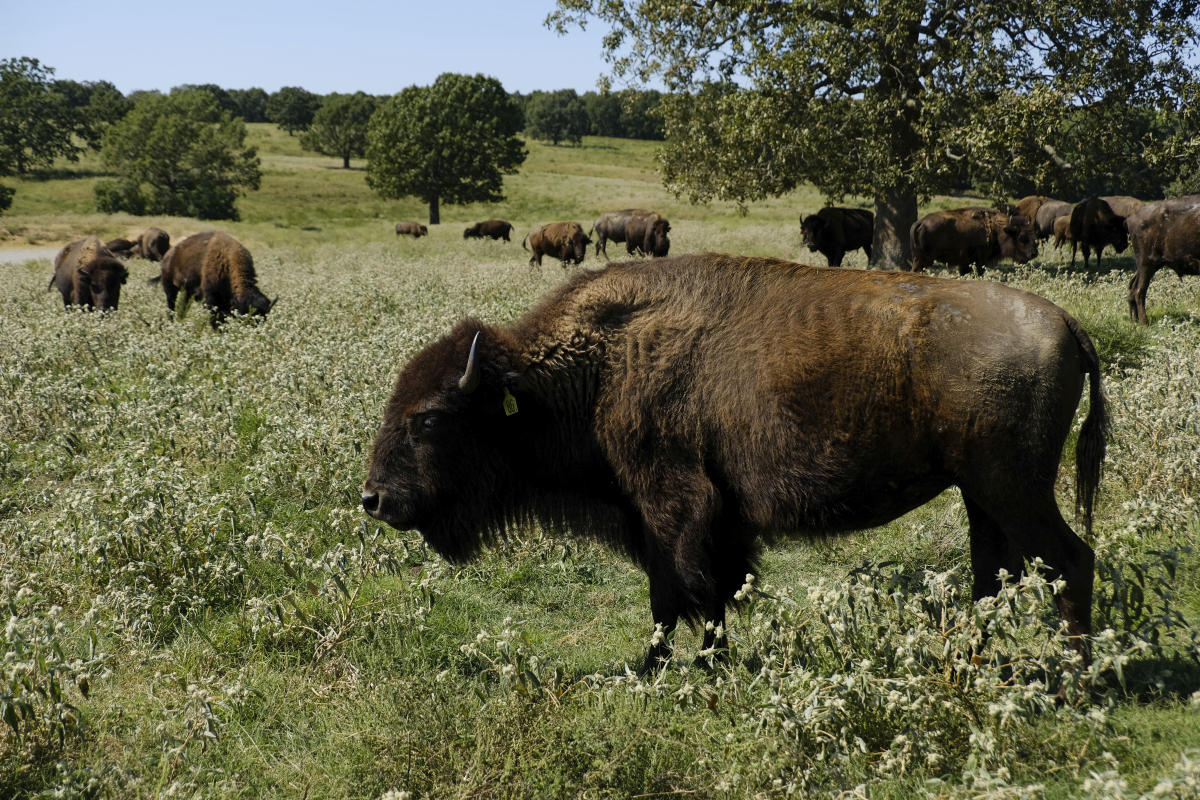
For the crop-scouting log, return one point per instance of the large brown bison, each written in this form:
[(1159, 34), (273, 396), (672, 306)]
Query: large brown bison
[(1165, 233), (1043, 220), (565, 241), (492, 228), (217, 270), (1095, 225), (613, 226), (971, 237), (413, 229), (1028, 206), (687, 408), (834, 231), (648, 235), (87, 274)]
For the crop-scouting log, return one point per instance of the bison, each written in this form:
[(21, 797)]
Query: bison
[(152, 244), (216, 269), (413, 229), (1062, 232), (613, 225), (565, 241), (833, 231), (686, 409), (492, 228), (121, 247), (1165, 233), (1122, 204), (1028, 206), (647, 235), (1043, 220), (967, 237), (88, 274), (1095, 225)]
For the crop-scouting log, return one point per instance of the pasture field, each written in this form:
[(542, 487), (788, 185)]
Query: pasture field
[(196, 606)]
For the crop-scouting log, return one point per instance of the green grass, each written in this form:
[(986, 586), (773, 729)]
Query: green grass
[(179, 531)]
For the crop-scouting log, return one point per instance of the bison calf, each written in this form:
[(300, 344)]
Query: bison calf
[(565, 241), (216, 269), (87, 274), (685, 409)]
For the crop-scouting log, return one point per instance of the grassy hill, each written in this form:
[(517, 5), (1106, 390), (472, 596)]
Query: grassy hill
[(198, 608)]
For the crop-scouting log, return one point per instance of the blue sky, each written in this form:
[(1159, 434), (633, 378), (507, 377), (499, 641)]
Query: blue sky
[(330, 46)]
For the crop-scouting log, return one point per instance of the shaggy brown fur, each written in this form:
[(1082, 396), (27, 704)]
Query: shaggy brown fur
[(1028, 206), (152, 244), (1122, 204), (565, 241), (834, 231), (492, 228), (612, 225), (1165, 233), (648, 235), (687, 408), (1095, 225), (413, 229), (87, 274), (971, 237), (120, 247), (217, 270), (1062, 232), (1043, 221)]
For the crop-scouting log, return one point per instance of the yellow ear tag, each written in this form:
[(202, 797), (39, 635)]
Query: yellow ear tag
[(510, 403)]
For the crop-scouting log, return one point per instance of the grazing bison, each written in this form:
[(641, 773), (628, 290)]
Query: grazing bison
[(565, 241), (967, 237), (152, 244), (87, 274), (120, 247), (1165, 233), (492, 228), (413, 229), (687, 408), (216, 269), (612, 226), (834, 231), (647, 235), (1095, 225), (1043, 220)]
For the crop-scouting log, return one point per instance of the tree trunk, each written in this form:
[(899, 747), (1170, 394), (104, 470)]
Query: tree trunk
[(434, 218), (346, 161), (895, 213)]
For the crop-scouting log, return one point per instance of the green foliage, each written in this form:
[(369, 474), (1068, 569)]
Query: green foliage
[(179, 155), (555, 117), (250, 104), (339, 128), (36, 121), (6, 197), (450, 142), (96, 105), (292, 108)]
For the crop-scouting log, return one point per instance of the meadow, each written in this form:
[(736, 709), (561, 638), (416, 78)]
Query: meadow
[(197, 607)]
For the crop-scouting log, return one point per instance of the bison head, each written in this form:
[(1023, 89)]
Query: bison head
[(101, 281), (657, 243), (810, 230), (253, 303), (1018, 241)]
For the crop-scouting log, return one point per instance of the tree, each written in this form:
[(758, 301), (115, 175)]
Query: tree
[(251, 104), (339, 128), (293, 108), (450, 142), (886, 99), (36, 124), (604, 114), (179, 154), (6, 196), (556, 116), (94, 105)]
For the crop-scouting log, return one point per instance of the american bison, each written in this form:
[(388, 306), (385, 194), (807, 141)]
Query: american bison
[(1122, 204), (1028, 206), (413, 229), (971, 237), (1095, 225), (121, 247), (217, 270), (648, 235), (87, 274), (612, 226), (685, 409), (1062, 232), (834, 231), (1165, 233), (565, 241), (492, 228), (152, 244), (1043, 221)]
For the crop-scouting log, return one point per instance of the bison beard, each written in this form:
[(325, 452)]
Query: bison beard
[(687, 409)]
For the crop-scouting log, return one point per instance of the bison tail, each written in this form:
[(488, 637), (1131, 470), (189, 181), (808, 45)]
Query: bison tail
[(916, 241), (1090, 449), (156, 279), (523, 241)]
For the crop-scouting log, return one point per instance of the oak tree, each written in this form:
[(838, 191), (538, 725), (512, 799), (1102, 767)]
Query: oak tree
[(339, 128)]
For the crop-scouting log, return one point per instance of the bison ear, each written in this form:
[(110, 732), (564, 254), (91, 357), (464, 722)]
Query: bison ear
[(469, 381)]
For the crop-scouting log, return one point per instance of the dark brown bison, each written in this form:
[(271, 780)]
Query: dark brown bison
[(492, 228), (217, 270), (834, 231), (1043, 220), (612, 226), (152, 244), (1095, 225), (121, 247), (413, 229), (971, 237), (87, 274), (1165, 233), (648, 235), (565, 241), (687, 408)]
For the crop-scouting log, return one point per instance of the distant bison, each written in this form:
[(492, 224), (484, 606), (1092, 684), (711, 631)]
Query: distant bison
[(1043, 220), (1095, 225), (971, 237), (685, 409), (492, 228), (413, 229), (87, 274), (121, 247), (612, 226), (834, 231), (217, 270), (152, 244), (1165, 233), (565, 241), (648, 235), (1028, 206), (1062, 232)]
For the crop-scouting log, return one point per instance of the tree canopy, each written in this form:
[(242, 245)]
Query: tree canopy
[(37, 124), (451, 142), (558, 116), (293, 108), (890, 100), (177, 154), (339, 128)]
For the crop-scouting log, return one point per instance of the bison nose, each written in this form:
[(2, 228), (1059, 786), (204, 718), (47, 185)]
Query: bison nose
[(370, 502)]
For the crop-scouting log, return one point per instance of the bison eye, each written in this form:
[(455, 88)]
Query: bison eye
[(429, 423)]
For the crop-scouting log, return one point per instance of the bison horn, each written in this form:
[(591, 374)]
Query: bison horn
[(469, 381)]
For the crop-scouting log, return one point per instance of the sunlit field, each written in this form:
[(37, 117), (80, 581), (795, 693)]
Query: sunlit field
[(196, 606)]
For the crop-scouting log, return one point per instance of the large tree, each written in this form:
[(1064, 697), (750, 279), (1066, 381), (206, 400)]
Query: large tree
[(556, 116), (451, 142), (37, 125), (292, 108), (178, 154), (339, 128), (95, 105), (887, 99)]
